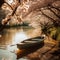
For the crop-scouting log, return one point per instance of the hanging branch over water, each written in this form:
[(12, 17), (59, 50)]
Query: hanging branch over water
[(33, 6), (53, 12), (55, 22), (54, 7), (8, 18)]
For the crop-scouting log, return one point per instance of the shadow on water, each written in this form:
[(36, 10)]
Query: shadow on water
[(24, 52), (10, 36)]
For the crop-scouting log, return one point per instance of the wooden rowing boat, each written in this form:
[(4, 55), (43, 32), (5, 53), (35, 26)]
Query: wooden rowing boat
[(31, 43)]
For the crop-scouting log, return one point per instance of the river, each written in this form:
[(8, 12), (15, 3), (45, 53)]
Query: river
[(12, 36)]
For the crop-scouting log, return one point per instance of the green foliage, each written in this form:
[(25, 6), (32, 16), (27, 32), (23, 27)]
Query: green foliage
[(55, 33), (52, 31)]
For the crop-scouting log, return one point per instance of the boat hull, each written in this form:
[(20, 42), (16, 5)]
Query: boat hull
[(31, 43)]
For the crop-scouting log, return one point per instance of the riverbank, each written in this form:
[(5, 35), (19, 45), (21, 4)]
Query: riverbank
[(50, 51)]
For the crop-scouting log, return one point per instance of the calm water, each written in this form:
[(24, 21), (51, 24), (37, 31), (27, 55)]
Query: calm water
[(13, 36)]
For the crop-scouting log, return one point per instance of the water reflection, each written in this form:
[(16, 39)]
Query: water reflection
[(16, 35), (19, 36), (13, 36), (6, 55)]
